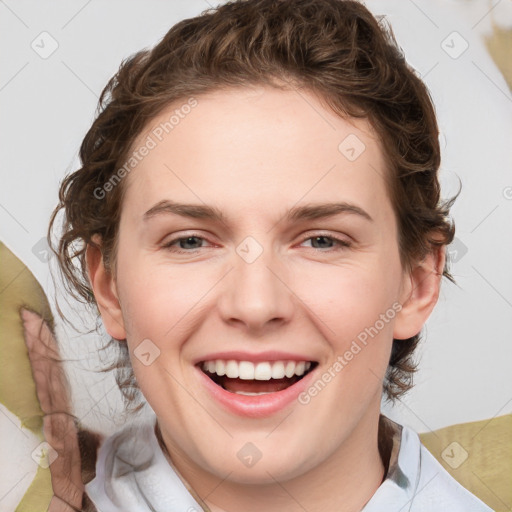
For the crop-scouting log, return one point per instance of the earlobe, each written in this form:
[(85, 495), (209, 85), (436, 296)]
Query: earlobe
[(420, 294), (105, 292)]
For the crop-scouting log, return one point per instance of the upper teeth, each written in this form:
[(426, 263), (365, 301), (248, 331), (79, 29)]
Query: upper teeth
[(260, 371)]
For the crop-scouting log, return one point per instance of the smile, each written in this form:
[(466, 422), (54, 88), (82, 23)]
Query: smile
[(255, 388)]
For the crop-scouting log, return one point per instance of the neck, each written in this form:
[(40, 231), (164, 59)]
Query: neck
[(344, 482)]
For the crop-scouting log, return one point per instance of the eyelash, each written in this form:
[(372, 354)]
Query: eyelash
[(342, 244)]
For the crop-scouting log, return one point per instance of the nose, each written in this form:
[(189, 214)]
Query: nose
[(256, 293)]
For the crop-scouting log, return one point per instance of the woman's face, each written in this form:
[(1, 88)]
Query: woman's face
[(272, 281)]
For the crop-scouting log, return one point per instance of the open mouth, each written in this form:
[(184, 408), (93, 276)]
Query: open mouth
[(252, 379)]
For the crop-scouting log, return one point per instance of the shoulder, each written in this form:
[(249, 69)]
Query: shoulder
[(121, 456), (416, 481), (436, 489), (132, 473)]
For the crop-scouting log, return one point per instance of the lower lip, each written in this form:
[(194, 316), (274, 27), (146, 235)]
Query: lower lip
[(257, 406)]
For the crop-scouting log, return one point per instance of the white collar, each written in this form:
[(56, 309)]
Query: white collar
[(133, 474)]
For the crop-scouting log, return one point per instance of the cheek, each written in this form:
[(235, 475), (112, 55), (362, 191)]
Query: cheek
[(357, 307), (153, 295), (351, 298)]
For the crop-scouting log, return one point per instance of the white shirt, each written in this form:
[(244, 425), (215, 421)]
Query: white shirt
[(134, 475)]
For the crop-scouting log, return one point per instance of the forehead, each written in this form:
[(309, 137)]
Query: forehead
[(256, 150)]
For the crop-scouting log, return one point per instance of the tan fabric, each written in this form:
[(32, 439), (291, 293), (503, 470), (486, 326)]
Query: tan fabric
[(39, 494), (479, 456), (499, 44), (18, 287)]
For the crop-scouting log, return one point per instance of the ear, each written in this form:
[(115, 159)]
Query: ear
[(105, 291), (419, 294)]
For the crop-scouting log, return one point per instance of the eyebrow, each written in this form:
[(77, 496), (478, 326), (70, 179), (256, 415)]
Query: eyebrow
[(297, 213)]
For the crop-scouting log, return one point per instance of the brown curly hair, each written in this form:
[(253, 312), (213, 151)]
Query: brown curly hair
[(334, 48)]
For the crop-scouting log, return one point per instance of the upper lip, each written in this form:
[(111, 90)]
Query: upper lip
[(269, 355)]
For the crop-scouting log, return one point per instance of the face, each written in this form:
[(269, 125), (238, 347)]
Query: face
[(284, 261)]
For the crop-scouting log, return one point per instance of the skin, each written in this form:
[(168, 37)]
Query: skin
[(254, 153)]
